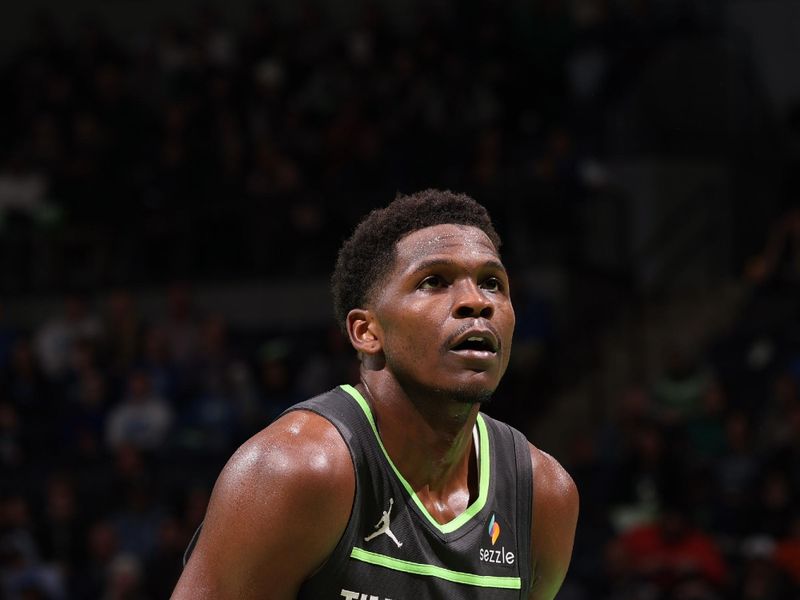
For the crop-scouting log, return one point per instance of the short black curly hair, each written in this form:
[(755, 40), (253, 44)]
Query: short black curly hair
[(368, 255)]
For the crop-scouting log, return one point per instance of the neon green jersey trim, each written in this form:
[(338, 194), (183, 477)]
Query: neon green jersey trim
[(483, 481), (486, 581)]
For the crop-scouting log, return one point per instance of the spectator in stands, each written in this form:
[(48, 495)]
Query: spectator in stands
[(181, 325), (25, 385), (678, 392), (787, 551), (222, 399), (138, 519), (124, 579), (81, 426), (23, 189), (55, 338), (143, 418), (22, 571), (163, 566), (123, 331), (101, 547), (773, 279), (776, 428), (759, 577), (84, 359), (778, 262), (642, 476), (669, 551), (705, 428), (735, 474), (329, 362), (156, 361), (221, 370), (774, 503), (61, 527), (275, 377), (12, 451)]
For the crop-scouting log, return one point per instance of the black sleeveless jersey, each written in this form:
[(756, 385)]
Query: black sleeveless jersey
[(393, 549)]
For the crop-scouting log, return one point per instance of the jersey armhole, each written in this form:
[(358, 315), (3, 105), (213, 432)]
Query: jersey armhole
[(192, 543), (187, 553), (345, 541), (525, 492)]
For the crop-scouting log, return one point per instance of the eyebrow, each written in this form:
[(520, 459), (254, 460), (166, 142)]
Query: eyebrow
[(442, 262)]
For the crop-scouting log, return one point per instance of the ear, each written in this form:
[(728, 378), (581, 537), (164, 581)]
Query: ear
[(364, 331)]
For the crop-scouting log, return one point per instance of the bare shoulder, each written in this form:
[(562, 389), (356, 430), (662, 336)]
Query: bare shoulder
[(551, 479), (278, 509), (554, 519), (301, 445)]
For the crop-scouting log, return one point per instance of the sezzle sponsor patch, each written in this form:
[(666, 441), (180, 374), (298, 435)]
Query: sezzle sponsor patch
[(498, 545)]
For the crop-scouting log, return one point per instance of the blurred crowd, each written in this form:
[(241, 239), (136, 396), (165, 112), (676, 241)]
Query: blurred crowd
[(113, 428), (207, 151), (691, 486), (200, 148)]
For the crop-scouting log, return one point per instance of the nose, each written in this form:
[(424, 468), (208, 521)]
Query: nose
[(472, 301)]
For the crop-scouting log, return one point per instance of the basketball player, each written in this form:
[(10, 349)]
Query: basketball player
[(398, 488)]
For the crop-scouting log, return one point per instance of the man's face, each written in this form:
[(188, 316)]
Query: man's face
[(444, 315)]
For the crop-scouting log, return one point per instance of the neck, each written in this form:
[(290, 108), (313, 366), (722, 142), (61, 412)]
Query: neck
[(429, 439)]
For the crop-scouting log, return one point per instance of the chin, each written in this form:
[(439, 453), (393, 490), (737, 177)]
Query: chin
[(471, 394)]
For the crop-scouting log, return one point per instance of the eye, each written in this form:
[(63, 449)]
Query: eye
[(492, 284), (431, 282)]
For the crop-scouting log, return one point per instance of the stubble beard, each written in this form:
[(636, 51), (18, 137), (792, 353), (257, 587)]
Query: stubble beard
[(464, 393), (467, 395)]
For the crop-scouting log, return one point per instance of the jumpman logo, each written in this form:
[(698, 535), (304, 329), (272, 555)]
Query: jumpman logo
[(383, 526)]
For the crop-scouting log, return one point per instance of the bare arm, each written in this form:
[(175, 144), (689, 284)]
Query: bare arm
[(555, 516), (277, 511)]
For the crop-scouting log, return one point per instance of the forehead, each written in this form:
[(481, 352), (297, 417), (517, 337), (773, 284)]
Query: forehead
[(454, 241)]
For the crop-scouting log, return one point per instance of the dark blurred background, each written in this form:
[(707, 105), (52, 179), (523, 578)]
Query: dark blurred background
[(175, 179)]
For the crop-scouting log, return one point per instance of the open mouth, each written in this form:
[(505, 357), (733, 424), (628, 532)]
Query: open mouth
[(476, 343)]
